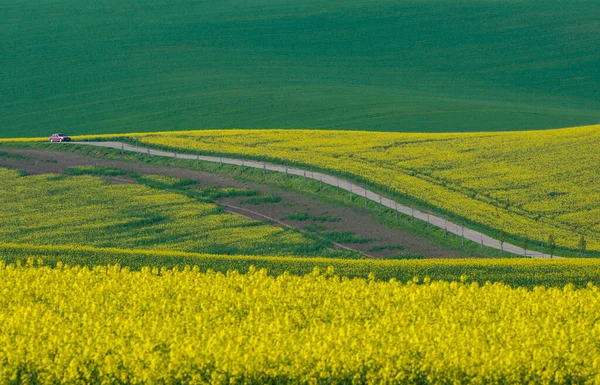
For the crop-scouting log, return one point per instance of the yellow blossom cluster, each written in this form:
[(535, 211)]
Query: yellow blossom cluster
[(111, 325)]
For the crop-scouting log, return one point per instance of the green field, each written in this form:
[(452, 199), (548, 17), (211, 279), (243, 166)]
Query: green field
[(424, 65)]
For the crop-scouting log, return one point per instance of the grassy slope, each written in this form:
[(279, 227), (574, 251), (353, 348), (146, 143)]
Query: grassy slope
[(435, 65)]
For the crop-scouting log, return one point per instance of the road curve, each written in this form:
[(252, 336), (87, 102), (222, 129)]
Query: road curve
[(434, 220)]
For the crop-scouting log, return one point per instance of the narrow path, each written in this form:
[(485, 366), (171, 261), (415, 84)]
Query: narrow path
[(436, 221)]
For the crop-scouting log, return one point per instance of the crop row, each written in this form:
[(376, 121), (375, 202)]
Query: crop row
[(514, 272)]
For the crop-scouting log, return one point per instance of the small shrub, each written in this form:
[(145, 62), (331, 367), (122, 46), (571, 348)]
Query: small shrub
[(297, 216), (268, 198), (313, 228)]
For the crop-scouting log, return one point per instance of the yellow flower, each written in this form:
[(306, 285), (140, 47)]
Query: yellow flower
[(109, 324)]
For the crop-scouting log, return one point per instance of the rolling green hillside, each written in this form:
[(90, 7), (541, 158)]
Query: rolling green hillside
[(423, 65)]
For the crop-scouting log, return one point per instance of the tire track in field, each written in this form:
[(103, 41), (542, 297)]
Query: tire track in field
[(235, 210), (439, 222)]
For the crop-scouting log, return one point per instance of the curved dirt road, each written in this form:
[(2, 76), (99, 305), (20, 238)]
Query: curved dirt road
[(436, 221)]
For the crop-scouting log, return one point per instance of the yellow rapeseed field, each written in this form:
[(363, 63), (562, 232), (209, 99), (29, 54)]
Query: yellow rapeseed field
[(86, 210), (528, 184), (112, 325)]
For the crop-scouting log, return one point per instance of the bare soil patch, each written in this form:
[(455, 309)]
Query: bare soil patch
[(331, 219)]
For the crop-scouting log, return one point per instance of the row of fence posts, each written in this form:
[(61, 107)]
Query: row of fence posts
[(352, 198), (366, 200), (352, 192), (397, 213)]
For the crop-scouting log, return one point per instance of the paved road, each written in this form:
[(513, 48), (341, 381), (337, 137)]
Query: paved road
[(436, 221)]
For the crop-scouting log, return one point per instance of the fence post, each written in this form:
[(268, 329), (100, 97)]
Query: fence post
[(380, 205), (264, 169), (412, 213), (445, 228), (365, 197), (543, 242), (304, 176), (462, 230), (396, 207), (350, 192), (198, 159), (148, 151), (321, 184), (481, 234), (427, 222), (122, 149)]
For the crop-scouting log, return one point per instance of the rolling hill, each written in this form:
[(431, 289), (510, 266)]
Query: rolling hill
[(421, 65)]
